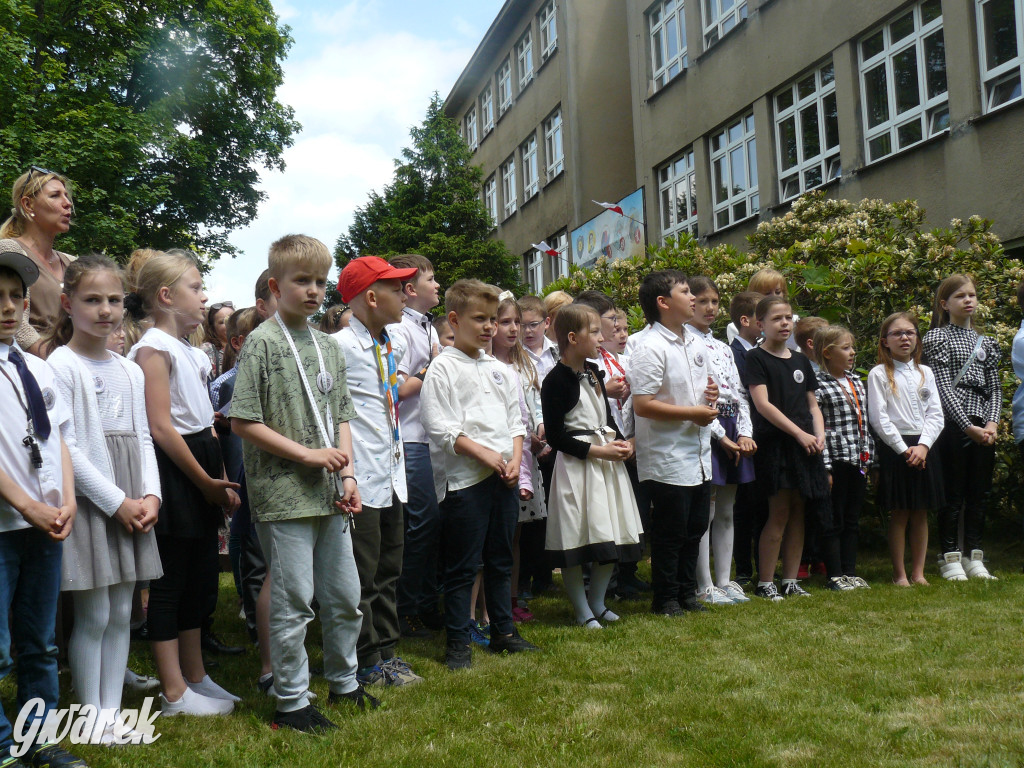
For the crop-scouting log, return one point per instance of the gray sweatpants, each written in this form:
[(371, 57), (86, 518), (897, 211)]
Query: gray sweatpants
[(306, 557)]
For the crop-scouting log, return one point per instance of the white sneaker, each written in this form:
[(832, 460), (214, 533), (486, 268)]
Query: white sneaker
[(975, 567), (715, 596), (211, 690), (857, 582), (950, 568), (117, 735), (735, 592), (137, 682), (192, 703)]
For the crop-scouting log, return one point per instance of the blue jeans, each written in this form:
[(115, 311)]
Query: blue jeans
[(478, 524), (417, 586), (29, 586)]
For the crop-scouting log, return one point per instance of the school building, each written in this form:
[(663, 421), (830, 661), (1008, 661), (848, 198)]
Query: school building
[(739, 106)]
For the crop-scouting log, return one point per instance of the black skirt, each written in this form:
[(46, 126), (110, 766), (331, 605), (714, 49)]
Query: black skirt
[(184, 512), (781, 463), (903, 487)]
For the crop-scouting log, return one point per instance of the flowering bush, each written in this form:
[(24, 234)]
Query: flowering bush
[(853, 264)]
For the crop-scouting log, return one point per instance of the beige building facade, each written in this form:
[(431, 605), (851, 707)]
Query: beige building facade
[(545, 104), (740, 106)]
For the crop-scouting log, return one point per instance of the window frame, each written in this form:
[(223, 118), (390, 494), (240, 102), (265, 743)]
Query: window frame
[(509, 191), (750, 197), (722, 21), (663, 75), (487, 111), (472, 135), (827, 160), (670, 177), (504, 79), (548, 24), (929, 111), (524, 59), (531, 174), (491, 199), (533, 263), (559, 264), (552, 137), (1008, 71)]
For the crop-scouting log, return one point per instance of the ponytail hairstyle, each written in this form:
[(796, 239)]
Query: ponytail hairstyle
[(829, 336), (885, 354), (63, 329), (947, 288), (517, 354), (29, 184), (150, 270)]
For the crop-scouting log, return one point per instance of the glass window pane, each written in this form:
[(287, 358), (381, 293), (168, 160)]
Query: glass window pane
[(872, 46), (727, 4), (790, 187), (939, 120), (875, 93), (828, 74), (672, 41), (748, 123), (721, 190), (735, 132), (831, 121), (666, 209), (806, 87), (681, 207), (739, 211), (1005, 90), (658, 50), (811, 136), (930, 10), (812, 177), (737, 165), (752, 163), (910, 133), (935, 63), (787, 141), (880, 146), (722, 218), (1000, 32), (716, 141), (835, 169), (904, 75), (902, 27), (784, 100), (755, 204)]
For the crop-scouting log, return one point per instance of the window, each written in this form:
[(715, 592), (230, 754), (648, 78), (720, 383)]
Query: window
[(508, 186), (504, 87), (1001, 29), (487, 111), (559, 263), (807, 132), (553, 144), (677, 188), (903, 80), (534, 261), (491, 199), (472, 139), (734, 172), (720, 16), (668, 40), (548, 31), (524, 57), (528, 155)]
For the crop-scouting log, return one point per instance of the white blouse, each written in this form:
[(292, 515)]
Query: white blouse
[(914, 409)]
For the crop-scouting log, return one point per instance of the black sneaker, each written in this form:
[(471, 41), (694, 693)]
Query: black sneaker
[(458, 656), (668, 608), (413, 626), (359, 697), (52, 756), (513, 643), (632, 582), (214, 644), (694, 606), (792, 589), (266, 684), (433, 620), (769, 592), (309, 719)]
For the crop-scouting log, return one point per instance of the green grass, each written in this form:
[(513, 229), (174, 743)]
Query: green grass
[(882, 677)]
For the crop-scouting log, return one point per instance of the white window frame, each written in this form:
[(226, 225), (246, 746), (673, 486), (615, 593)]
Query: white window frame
[(1002, 83), (810, 96), (486, 111), (736, 143), (528, 157), (491, 199), (533, 262), (930, 115), (720, 18), (678, 179), (509, 193), (524, 59), (504, 76), (548, 26), (472, 137), (560, 263), (665, 19), (554, 151)]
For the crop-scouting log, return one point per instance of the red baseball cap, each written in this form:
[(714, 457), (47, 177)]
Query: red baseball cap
[(359, 274)]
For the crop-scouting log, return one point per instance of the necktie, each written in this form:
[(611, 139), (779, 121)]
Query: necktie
[(36, 406)]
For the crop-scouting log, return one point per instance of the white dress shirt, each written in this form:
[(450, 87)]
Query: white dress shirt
[(722, 366), (914, 409), (674, 370), (418, 336), (378, 463), (468, 396), (545, 360)]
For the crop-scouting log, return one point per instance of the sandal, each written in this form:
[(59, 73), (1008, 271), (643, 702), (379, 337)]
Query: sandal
[(607, 615), (591, 623)]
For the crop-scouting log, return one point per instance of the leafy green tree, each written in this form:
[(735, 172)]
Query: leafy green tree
[(162, 113), (433, 208)]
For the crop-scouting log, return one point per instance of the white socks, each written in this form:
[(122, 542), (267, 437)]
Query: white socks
[(600, 578), (572, 579)]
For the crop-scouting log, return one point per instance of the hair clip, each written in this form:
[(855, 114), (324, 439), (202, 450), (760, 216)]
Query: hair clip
[(504, 295)]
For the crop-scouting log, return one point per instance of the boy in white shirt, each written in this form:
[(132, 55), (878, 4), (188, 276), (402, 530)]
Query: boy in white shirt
[(673, 399), (470, 410)]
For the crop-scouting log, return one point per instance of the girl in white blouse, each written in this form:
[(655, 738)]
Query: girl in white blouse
[(906, 415)]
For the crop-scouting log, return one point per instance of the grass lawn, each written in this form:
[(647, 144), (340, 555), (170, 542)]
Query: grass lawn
[(928, 676)]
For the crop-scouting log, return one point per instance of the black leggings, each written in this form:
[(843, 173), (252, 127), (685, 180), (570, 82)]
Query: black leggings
[(178, 600), (839, 542), (967, 474)]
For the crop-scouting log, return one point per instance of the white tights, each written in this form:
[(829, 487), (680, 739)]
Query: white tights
[(98, 647), (600, 577), (720, 531)]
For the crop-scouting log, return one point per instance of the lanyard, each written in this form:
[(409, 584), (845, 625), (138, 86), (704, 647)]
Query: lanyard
[(855, 403), (323, 381), (388, 372), (611, 363), (30, 439)]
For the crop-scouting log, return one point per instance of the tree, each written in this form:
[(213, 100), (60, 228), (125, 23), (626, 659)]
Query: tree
[(433, 208), (162, 113)]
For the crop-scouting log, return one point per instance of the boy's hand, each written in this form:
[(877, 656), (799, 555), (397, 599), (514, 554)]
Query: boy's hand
[(66, 519), (703, 414), (150, 513), (234, 501), (510, 475), (711, 392), (331, 459), (221, 493), (43, 516), (351, 503), (129, 513), (747, 446), (492, 460)]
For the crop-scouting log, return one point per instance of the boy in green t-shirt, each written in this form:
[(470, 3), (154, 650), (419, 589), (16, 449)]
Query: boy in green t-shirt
[(301, 490)]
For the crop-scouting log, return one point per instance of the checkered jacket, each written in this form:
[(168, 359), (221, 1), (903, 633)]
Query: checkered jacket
[(845, 441), (978, 396)]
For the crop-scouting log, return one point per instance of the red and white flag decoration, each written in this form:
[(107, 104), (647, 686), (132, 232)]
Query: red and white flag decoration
[(611, 207), (545, 248)]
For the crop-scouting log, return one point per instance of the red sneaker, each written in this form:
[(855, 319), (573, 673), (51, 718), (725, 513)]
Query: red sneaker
[(804, 572)]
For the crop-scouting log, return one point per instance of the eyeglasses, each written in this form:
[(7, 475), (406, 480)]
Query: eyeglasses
[(902, 334), (33, 169), (609, 318), (215, 308), (531, 327)]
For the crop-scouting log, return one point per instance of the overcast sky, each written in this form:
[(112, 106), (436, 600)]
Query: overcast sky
[(359, 76)]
